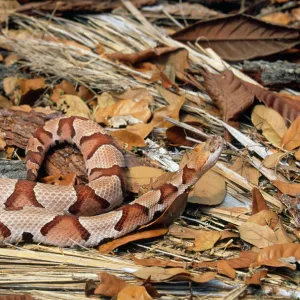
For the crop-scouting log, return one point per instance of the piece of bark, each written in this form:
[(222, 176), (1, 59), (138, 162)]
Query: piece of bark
[(82, 6), (16, 127), (273, 74), (14, 169)]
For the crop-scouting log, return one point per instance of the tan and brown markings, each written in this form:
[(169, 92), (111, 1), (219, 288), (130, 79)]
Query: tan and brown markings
[(40, 211)]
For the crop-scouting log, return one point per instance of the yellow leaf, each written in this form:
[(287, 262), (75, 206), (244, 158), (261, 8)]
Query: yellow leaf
[(270, 122), (141, 175), (73, 106), (210, 189), (291, 138)]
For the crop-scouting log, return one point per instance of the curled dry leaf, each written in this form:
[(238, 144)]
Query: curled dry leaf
[(68, 180), (72, 105), (292, 189), (134, 292), (205, 240), (273, 255), (225, 269), (270, 122), (110, 285), (147, 234), (141, 175), (65, 87), (210, 189), (243, 168), (138, 110), (128, 139), (150, 262), (245, 259), (258, 201), (271, 161), (291, 138), (256, 277)]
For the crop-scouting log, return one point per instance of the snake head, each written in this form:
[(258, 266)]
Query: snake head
[(206, 155)]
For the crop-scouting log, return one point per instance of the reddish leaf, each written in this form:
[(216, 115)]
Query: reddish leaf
[(258, 201), (239, 37), (225, 269), (256, 277)]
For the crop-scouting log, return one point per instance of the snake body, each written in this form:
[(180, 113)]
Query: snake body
[(83, 215)]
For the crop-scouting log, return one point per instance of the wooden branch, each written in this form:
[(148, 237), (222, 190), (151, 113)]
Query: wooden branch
[(273, 74)]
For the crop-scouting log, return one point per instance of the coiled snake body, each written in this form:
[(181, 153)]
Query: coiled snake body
[(68, 216)]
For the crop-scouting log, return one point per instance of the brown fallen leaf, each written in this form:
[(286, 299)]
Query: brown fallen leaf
[(11, 59), (67, 180), (150, 262), (110, 285), (243, 168), (4, 102), (10, 84), (65, 87), (135, 94), (245, 259), (210, 189), (177, 136), (239, 37), (256, 277), (27, 85), (147, 234), (292, 189), (225, 269), (205, 241), (134, 292), (271, 161), (7, 8), (202, 278), (141, 175), (138, 110), (270, 122), (258, 201), (85, 93), (128, 139), (271, 256), (233, 96), (160, 274), (72, 105), (278, 18), (291, 138)]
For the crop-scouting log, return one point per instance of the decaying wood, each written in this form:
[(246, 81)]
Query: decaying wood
[(14, 169), (274, 74)]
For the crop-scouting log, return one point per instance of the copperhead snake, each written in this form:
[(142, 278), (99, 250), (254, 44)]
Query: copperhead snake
[(67, 216)]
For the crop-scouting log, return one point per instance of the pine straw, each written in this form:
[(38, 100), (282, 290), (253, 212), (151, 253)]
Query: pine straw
[(53, 273)]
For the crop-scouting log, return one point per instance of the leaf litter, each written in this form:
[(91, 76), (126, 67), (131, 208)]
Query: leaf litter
[(131, 86)]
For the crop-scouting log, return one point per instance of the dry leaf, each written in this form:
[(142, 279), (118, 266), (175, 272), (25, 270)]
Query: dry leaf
[(273, 255), (258, 201), (135, 94), (72, 105), (133, 293), (225, 269), (27, 85), (138, 110), (239, 37), (128, 139), (160, 274), (256, 277), (4, 102), (291, 138), (271, 161), (7, 8), (205, 240), (85, 93), (65, 87), (278, 18), (155, 262), (243, 168), (68, 180), (202, 278), (141, 175), (292, 205), (9, 85), (11, 59), (110, 246), (259, 236), (110, 285), (292, 189), (210, 189), (270, 122), (105, 99)]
